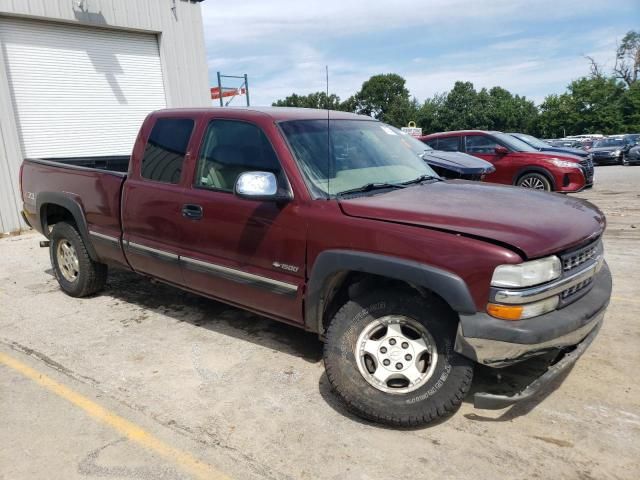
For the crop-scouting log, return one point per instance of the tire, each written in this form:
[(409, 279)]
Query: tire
[(534, 181), (446, 380), (77, 274)]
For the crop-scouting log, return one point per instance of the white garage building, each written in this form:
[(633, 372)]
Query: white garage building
[(77, 77)]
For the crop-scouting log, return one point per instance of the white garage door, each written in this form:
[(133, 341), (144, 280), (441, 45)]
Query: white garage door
[(80, 91)]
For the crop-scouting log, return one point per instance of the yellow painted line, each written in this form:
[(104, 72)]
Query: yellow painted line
[(130, 430), (625, 299)]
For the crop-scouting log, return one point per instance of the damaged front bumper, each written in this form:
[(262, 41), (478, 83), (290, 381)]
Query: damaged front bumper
[(499, 343)]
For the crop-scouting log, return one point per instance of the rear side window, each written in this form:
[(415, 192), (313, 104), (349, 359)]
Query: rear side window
[(166, 149), (432, 143), (232, 147), (481, 144), (448, 144)]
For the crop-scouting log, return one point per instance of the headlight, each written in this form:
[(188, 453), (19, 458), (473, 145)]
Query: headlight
[(527, 273), (564, 163), (616, 153)]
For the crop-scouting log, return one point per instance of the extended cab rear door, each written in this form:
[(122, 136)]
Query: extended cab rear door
[(246, 252), (153, 197)]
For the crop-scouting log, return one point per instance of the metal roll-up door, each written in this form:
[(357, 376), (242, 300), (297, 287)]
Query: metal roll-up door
[(79, 91)]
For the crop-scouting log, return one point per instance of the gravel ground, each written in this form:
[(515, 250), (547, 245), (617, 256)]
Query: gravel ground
[(249, 396)]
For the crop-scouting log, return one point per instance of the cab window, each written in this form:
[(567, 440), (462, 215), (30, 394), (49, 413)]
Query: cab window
[(481, 144), (232, 147), (448, 144)]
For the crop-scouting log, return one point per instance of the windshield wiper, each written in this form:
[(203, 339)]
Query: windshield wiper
[(422, 178), (371, 186)]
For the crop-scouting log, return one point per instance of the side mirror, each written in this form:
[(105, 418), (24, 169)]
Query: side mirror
[(500, 150), (259, 186)]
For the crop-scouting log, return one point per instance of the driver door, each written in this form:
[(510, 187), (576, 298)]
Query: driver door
[(246, 252)]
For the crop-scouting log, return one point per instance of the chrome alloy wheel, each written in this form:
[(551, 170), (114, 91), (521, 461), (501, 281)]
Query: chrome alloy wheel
[(396, 354), (68, 261), (533, 182)]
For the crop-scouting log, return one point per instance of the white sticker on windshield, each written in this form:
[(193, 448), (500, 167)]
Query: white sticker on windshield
[(387, 130)]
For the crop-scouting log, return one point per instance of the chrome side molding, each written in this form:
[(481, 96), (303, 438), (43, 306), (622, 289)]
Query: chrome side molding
[(240, 276)]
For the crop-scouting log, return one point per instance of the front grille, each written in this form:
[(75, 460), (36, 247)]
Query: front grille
[(573, 263), (587, 167), (576, 258), (575, 289)]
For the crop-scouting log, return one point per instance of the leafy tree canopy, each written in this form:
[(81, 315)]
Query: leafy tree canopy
[(596, 103)]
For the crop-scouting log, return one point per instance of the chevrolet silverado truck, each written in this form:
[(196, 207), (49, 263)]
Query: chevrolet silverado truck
[(334, 223)]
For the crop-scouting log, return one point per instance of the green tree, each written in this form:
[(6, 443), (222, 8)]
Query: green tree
[(590, 105), (459, 109), (555, 116), (596, 105), (428, 115), (386, 98), (313, 100), (630, 108), (508, 112)]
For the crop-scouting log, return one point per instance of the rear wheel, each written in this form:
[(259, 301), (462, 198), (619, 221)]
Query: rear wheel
[(535, 181), (77, 274), (389, 357)]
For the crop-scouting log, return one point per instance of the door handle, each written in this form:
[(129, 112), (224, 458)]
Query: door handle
[(194, 212)]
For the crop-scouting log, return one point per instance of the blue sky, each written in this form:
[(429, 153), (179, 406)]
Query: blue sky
[(530, 47)]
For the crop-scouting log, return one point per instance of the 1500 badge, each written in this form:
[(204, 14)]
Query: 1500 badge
[(284, 266)]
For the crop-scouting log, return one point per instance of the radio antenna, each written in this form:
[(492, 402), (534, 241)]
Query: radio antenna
[(326, 67)]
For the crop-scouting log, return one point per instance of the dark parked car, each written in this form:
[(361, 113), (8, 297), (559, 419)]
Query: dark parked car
[(542, 146), (459, 165), (566, 143), (611, 150), (633, 157), (516, 162)]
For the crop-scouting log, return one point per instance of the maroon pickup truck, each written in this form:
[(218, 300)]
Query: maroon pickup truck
[(333, 222)]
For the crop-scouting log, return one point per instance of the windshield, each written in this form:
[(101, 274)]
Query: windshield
[(531, 140), (609, 142), (513, 143), (362, 152)]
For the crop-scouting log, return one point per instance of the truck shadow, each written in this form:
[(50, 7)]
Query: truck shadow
[(212, 315), (509, 381), (243, 325)]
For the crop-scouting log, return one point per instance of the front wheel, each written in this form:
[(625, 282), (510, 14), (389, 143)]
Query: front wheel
[(389, 357), (535, 181), (77, 274)]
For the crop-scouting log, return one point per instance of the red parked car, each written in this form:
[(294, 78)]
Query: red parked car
[(516, 162), (341, 228)]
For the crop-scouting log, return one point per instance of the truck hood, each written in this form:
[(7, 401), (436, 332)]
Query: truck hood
[(458, 162), (571, 151), (534, 223), (606, 149)]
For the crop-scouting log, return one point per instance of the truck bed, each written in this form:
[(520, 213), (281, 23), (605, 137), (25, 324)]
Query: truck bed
[(89, 187)]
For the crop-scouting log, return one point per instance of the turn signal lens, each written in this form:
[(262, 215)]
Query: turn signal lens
[(505, 312), (520, 312)]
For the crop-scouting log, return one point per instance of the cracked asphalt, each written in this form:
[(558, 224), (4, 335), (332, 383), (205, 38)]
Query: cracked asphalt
[(248, 397)]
